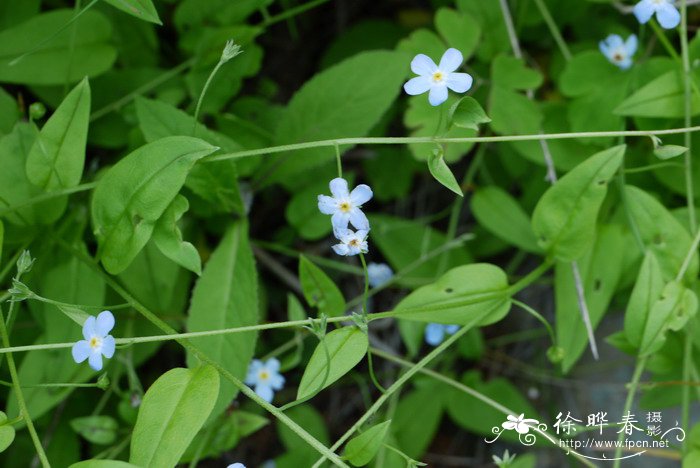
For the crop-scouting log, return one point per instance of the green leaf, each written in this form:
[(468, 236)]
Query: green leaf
[(346, 100), (663, 97), (662, 233), (467, 295), (671, 311), (9, 112), (134, 194), (564, 219), (100, 430), (501, 214), (417, 418), (361, 449), (319, 290), (646, 291), (442, 173), (7, 433), (142, 9), (512, 113), (68, 57), (314, 423), (15, 188), (468, 113), (77, 315), (172, 411), (168, 237), (669, 151), (2, 238), (103, 464), (57, 156), (226, 296), (346, 348), (459, 29), (510, 72)]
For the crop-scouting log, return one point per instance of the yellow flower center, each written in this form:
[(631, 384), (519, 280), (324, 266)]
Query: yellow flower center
[(354, 243), (263, 375), (438, 76), (95, 342), (617, 56), (345, 207)]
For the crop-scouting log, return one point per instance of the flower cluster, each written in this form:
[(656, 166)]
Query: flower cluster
[(265, 378), (344, 207), (98, 342)]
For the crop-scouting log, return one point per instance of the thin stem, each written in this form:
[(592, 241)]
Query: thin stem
[(366, 290), (48, 196), (690, 198), (685, 395), (583, 308), (539, 317), (639, 368), (689, 257), (338, 161), (203, 93), (554, 30), (292, 12), (409, 140)]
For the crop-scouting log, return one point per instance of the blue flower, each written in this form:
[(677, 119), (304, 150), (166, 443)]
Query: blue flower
[(619, 52), (98, 342), (379, 274), (435, 332), (351, 243), (236, 465), (345, 205), (667, 15), (265, 378), (438, 78)]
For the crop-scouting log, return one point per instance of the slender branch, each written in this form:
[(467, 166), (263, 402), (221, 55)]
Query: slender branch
[(553, 29), (639, 368)]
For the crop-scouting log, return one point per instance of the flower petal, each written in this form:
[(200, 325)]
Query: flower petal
[(108, 346), (253, 369), (81, 351), (451, 60), (459, 82), (643, 11), (272, 365), (341, 249), (668, 16), (340, 220), (265, 392), (89, 328), (95, 361), (327, 205), (277, 381), (358, 219), (339, 188), (104, 323), (438, 95), (631, 45), (434, 334), (451, 329), (423, 65), (361, 195), (625, 63), (417, 85)]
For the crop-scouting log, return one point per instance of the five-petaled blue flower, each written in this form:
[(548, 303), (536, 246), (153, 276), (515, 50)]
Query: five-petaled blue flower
[(98, 342), (667, 15), (265, 378), (435, 332), (345, 205), (619, 52), (351, 243), (437, 78), (379, 274)]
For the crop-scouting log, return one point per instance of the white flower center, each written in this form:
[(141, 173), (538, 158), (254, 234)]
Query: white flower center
[(263, 375), (438, 77), (95, 343)]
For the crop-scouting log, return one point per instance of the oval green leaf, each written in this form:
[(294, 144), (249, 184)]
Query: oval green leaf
[(100, 430), (361, 449), (646, 291), (468, 113), (319, 290), (676, 305), (442, 173), (142, 9)]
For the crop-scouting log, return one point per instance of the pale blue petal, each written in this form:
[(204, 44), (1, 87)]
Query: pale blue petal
[(327, 205), (253, 369), (339, 188), (459, 82), (272, 365), (358, 219), (379, 274), (417, 85), (340, 220), (451, 329), (631, 45), (604, 49), (434, 334), (668, 16), (361, 195), (644, 11), (265, 392), (95, 361), (438, 95), (236, 465), (450, 61), (423, 65), (108, 346), (344, 235), (277, 381), (625, 63), (89, 328), (362, 234), (341, 249), (81, 351), (104, 323)]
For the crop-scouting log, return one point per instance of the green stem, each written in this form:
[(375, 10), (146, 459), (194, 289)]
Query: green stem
[(639, 368), (292, 12), (366, 290), (685, 396), (203, 93), (338, 161), (690, 198), (539, 317), (48, 196), (554, 30)]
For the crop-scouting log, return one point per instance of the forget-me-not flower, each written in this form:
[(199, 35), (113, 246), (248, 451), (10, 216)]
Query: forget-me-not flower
[(345, 206), (265, 378), (438, 78), (379, 274), (619, 52), (98, 342), (236, 465), (351, 243), (667, 14), (435, 332)]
